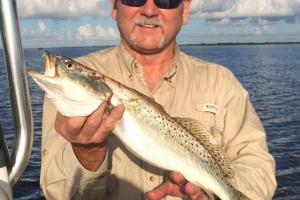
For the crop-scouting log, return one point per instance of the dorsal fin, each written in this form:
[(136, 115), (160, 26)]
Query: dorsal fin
[(134, 93), (200, 133), (152, 101)]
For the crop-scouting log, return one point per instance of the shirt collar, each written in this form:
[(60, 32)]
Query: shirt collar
[(132, 65)]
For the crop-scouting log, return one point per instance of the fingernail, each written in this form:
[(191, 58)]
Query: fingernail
[(121, 108)]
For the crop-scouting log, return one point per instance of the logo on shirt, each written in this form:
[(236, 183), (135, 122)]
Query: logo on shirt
[(212, 108)]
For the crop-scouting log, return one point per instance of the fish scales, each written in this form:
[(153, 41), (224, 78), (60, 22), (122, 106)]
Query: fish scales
[(165, 129), (155, 116), (145, 129)]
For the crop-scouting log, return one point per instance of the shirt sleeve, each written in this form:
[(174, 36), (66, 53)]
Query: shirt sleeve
[(245, 143), (62, 175), (5, 187)]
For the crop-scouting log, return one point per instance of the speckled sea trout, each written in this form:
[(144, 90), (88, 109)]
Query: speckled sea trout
[(175, 144)]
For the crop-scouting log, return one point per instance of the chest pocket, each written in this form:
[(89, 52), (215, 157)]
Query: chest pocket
[(212, 117)]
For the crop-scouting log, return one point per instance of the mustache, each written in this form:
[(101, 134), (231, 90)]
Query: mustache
[(148, 21)]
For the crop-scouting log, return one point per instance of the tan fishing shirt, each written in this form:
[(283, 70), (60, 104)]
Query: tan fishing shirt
[(194, 88)]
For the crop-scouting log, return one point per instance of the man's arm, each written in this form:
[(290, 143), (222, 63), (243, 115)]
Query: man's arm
[(245, 144), (74, 152), (88, 134)]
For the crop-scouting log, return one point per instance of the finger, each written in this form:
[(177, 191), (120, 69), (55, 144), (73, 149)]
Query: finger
[(160, 192), (68, 125), (166, 188), (109, 123), (93, 122), (194, 192), (191, 189), (177, 178)]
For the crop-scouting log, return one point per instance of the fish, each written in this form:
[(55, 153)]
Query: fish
[(146, 129)]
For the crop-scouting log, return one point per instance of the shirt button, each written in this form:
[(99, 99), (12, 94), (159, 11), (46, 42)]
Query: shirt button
[(44, 152), (152, 178)]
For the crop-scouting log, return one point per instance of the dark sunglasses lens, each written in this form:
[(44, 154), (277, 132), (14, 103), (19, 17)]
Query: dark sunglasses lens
[(163, 4), (167, 4), (134, 3)]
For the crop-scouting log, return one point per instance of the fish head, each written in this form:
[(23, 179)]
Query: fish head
[(59, 67), (75, 89)]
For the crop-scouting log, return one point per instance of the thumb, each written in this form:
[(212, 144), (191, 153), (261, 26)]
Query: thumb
[(160, 192)]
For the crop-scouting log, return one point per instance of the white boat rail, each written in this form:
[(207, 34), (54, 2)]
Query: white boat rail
[(19, 93)]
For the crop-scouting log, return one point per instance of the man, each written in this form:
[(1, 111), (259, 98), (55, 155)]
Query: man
[(81, 160)]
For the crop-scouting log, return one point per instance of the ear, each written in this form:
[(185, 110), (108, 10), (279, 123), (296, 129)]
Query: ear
[(113, 4), (186, 11)]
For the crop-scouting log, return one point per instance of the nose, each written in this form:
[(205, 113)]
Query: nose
[(149, 9)]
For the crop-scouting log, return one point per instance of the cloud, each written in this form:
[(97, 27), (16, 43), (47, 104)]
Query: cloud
[(106, 33), (61, 9), (218, 9), (206, 9), (41, 26), (240, 31), (83, 35), (222, 19), (84, 32)]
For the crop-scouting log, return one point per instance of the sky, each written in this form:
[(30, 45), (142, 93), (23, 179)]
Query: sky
[(57, 23)]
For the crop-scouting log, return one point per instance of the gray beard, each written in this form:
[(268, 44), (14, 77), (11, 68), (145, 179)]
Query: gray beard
[(161, 45)]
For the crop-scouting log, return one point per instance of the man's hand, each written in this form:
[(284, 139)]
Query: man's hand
[(88, 134), (177, 186)]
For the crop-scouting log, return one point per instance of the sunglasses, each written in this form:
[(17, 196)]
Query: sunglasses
[(162, 4)]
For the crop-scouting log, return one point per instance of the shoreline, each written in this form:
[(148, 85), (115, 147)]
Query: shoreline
[(196, 44), (239, 43)]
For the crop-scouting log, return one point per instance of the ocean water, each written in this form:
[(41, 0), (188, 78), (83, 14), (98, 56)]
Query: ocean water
[(269, 72)]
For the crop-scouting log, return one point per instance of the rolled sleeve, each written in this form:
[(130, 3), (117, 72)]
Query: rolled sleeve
[(72, 167), (62, 175)]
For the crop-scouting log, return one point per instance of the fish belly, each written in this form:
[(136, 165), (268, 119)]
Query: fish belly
[(155, 150)]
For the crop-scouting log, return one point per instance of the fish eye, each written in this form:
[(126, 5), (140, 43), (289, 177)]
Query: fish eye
[(69, 65)]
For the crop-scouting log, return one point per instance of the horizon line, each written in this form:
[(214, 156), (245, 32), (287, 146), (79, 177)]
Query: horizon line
[(187, 44)]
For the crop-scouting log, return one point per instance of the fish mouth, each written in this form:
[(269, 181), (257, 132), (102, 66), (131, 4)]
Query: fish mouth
[(50, 74), (50, 65)]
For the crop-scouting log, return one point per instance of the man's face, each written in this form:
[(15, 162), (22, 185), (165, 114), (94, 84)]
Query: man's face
[(149, 29)]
